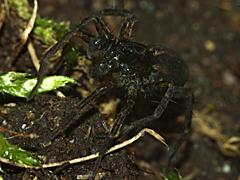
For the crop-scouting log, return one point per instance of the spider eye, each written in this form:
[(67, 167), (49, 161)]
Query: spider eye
[(97, 42), (100, 43)]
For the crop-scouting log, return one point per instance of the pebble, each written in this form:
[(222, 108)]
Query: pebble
[(210, 45), (226, 168), (229, 78)]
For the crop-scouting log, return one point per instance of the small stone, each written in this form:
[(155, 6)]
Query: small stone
[(4, 123), (226, 168), (10, 105), (229, 78), (210, 45)]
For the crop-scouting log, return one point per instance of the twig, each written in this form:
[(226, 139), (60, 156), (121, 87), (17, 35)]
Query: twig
[(204, 124), (24, 36), (95, 155), (2, 15), (16, 134), (114, 148), (33, 55), (6, 7)]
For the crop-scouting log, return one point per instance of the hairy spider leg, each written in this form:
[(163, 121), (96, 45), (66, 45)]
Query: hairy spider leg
[(61, 60), (45, 63), (157, 113), (101, 27), (125, 31), (82, 104), (125, 111), (126, 28), (183, 93), (116, 12)]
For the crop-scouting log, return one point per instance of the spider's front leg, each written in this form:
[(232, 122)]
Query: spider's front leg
[(45, 65), (126, 28)]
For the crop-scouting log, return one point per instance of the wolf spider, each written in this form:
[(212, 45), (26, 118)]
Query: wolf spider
[(137, 71)]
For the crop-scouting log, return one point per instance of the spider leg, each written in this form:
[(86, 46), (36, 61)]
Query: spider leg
[(157, 113), (115, 131), (127, 24), (126, 28), (82, 104), (45, 63), (101, 27), (172, 92), (116, 12), (61, 60), (125, 111), (188, 97), (103, 30)]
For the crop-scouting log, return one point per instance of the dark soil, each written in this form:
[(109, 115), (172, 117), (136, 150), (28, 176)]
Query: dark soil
[(206, 34), (45, 114)]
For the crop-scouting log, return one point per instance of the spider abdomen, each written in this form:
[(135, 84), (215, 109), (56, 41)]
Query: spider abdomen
[(169, 65)]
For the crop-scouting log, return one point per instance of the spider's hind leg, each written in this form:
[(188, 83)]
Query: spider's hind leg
[(187, 96), (172, 92)]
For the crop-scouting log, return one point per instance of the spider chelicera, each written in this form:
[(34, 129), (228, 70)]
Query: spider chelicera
[(138, 71)]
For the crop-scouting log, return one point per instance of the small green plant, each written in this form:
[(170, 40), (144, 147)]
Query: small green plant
[(13, 154), (20, 84), (170, 175), (46, 30)]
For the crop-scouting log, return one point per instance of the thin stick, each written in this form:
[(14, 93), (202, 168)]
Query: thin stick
[(114, 148), (33, 55), (27, 31), (6, 7), (17, 134), (25, 35), (2, 15), (94, 156)]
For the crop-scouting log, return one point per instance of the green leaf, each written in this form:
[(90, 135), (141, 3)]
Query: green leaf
[(170, 175), (16, 155), (48, 31), (21, 7), (20, 84)]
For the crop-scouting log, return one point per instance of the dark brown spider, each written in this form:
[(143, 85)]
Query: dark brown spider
[(131, 69)]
